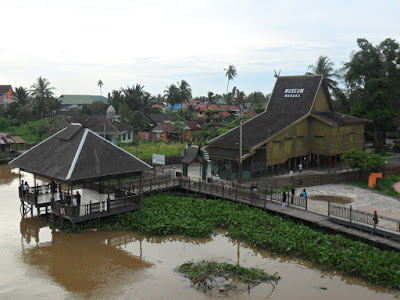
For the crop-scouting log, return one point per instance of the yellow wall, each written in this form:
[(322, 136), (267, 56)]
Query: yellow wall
[(321, 103)]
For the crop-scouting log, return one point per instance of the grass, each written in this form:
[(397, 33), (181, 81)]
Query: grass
[(383, 185), (145, 150), (166, 215), (32, 132)]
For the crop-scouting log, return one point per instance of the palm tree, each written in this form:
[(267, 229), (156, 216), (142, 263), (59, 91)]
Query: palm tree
[(185, 91), (324, 66), (210, 98), (21, 95), (230, 73), (172, 94), (43, 94), (100, 84)]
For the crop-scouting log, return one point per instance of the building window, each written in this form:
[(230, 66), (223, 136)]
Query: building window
[(129, 135)]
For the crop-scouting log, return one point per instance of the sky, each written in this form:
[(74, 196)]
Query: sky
[(76, 43)]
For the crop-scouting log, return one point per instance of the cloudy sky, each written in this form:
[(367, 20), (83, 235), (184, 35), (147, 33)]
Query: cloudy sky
[(74, 43)]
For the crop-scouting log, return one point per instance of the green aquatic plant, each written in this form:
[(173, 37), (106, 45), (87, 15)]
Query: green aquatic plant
[(167, 215)]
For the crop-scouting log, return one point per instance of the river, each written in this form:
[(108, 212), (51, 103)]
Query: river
[(39, 263)]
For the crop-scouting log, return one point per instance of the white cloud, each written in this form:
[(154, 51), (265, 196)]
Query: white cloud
[(74, 43)]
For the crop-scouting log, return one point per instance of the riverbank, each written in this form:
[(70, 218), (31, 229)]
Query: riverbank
[(165, 215)]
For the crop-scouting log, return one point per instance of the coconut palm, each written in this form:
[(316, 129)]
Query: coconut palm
[(185, 91), (42, 94), (21, 95), (100, 84), (324, 66), (230, 73), (172, 94)]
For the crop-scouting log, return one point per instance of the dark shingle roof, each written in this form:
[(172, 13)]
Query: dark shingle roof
[(192, 154), (4, 88), (156, 118), (100, 123), (336, 118), (257, 130), (294, 94), (225, 152), (76, 154)]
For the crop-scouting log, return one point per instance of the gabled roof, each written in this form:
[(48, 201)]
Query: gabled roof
[(80, 99), (292, 100), (294, 94), (6, 139), (193, 125), (5, 88), (167, 126), (156, 118), (100, 123), (336, 119), (192, 154), (76, 154)]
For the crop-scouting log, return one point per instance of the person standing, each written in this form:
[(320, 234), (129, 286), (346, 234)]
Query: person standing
[(293, 193), (283, 200), (291, 173), (375, 218), (300, 167), (78, 198), (26, 190), (304, 194), (22, 188)]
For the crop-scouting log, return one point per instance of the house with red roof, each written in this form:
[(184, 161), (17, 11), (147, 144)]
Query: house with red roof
[(6, 94), (167, 131)]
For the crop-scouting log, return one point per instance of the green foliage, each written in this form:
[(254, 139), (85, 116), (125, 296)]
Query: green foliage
[(95, 108), (138, 120), (385, 185), (166, 215), (32, 132), (211, 268), (145, 150), (365, 162)]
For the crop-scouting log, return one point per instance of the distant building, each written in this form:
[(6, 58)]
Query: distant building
[(166, 131), (71, 101), (107, 126), (6, 94), (6, 140)]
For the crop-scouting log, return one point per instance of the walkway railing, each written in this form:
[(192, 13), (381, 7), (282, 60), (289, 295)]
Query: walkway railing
[(358, 216)]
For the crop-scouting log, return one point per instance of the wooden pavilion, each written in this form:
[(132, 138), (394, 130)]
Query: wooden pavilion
[(77, 159), (299, 125)]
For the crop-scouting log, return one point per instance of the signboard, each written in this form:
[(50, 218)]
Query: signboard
[(158, 159), (296, 93)]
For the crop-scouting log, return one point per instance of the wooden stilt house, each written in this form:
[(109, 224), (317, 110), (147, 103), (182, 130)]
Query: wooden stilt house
[(299, 126)]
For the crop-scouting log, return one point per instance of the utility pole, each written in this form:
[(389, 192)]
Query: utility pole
[(240, 143)]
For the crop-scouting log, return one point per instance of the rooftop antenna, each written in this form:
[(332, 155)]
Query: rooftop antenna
[(276, 75)]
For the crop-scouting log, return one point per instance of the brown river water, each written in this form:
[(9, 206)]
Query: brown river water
[(37, 262)]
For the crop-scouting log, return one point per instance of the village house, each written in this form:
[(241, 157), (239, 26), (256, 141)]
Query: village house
[(168, 131), (71, 101), (299, 126), (6, 140), (6, 94), (107, 126)]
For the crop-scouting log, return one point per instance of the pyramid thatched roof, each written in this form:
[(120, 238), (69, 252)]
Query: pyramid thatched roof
[(76, 154)]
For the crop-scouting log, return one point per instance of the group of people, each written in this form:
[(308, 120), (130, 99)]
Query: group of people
[(73, 201), (24, 187), (303, 194)]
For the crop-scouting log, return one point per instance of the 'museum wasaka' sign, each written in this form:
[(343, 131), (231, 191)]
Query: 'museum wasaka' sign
[(293, 93)]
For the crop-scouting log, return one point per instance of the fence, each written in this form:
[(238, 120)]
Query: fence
[(353, 215), (320, 179)]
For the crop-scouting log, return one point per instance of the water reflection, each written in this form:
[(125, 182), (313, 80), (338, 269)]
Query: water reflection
[(81, 263), (6, 176)]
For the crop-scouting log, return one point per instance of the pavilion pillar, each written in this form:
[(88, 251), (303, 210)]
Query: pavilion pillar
[(307, 159), (329, 162), (318, 160)]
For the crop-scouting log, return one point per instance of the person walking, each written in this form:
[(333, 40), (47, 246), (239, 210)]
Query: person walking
[(293, 193), (375, 218), (283, 200)]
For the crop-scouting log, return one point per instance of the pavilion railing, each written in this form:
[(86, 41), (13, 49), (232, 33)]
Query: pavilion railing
[(95, 207)]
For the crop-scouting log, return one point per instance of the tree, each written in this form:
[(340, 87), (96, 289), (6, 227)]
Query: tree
[(324, 66), (95, 108), (185, 91), (43, 96), (172, 94), (365, 162), (138, 120), (230, 73), (210, 98), (257, 99), (21, 95), (100, 84), (372, 77)]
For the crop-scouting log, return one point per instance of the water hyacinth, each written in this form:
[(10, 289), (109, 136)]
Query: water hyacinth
[(167, 214)]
